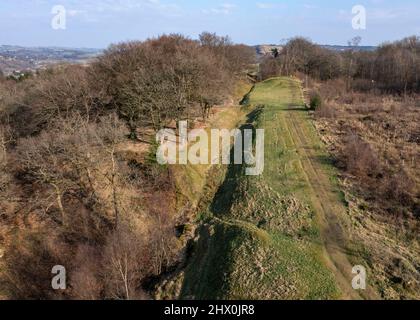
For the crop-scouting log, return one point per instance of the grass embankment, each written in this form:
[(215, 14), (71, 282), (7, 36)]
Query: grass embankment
[(191, 180), (261, 236)]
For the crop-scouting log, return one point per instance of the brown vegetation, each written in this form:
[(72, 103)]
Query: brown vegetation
[(75, 190), (373, 139)]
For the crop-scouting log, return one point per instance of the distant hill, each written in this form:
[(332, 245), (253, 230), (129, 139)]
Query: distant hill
[(344, 48), (265, 49), (17, 58)]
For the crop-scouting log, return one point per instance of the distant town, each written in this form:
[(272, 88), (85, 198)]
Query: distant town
[(16, 61)]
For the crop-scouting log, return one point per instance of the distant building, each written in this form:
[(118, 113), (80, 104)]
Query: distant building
[(268, 49), (18, 75)]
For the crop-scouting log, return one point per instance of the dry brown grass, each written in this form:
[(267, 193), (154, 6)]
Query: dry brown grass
[(375, 141)]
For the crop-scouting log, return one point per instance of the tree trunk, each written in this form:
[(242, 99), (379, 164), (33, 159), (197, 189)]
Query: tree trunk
[(133, 130), (60, 203), (114, 188)]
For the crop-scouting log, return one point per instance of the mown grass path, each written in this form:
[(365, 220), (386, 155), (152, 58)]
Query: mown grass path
[(284, 98)]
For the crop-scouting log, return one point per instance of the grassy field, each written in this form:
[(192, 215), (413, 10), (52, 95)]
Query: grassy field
[(278, 235)]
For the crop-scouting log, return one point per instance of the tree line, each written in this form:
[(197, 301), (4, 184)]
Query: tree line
[(72, 192), (392, 67)]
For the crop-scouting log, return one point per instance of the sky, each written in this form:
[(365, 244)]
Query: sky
[(98, 23)]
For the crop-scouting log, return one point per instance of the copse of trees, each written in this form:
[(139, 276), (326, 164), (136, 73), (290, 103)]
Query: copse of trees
[(149, 84), (235, 58), (301, 55), (83, 201), (155, 82), (393, 67), (397, 66), (170, 78)]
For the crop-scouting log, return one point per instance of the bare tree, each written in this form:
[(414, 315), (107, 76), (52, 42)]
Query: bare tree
[(86, 281), (60, 157), (125, 262)]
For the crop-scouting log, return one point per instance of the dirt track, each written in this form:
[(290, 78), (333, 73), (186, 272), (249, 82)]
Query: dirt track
[(331, 211)]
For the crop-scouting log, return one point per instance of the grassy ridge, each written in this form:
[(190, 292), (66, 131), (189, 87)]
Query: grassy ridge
[(191, 179), (260, 238)]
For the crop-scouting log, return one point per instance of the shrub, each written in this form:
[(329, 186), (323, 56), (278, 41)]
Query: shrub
[(326, 111), (315, 101), (399, 187), (360, 158)]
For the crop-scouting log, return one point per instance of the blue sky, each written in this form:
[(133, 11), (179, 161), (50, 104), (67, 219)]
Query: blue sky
[(97, 23)]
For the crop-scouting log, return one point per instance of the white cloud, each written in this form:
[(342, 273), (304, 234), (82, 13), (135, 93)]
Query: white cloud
[(265, 5), (95, 7), (73, 13), (225, 8), (269, 5), (310, 6), (387, 14)]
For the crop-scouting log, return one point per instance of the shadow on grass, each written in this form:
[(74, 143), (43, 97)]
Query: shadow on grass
[(245, 99), (326, 160), (206, 276), (298, 108), (225, 195)]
